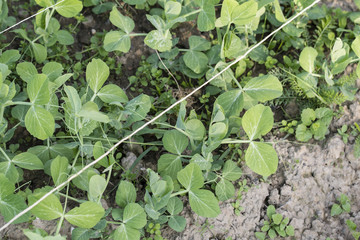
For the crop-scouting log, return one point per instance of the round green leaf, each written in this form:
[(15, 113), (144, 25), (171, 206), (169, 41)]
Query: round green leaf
[(204, 203), (170, 165), (196, 61), (112, 93), (174, 206), (244, 13), (172, 9), (224, 190), (175, 142), (191, 177), (307, 59), (38, 89), (6, 187), (134, 216), (257, 121), (231, 171), (264, 88), (48, 209), (117, 41), (123, 22), (69, 8), (96, 74), (39, 122), (158, 40), (28, 161), (178, 223), (195, 128), (90, 110), (59, 170), (12, 205), (125, 232), (26, 70), (97, 186), (303, 134), (125, 194), (261, 158), (87, 215), (39, 51)]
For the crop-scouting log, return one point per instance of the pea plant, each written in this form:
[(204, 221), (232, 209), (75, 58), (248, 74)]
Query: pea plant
[(62, 112)]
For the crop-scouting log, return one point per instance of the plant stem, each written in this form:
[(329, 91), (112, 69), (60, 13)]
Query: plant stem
[(229, 141), (191, 13), (72, 198), (22, 103), (5, 155), (179, 193), (137, 34)]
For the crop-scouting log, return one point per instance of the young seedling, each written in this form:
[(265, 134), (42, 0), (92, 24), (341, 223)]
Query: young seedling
[(276, 225), (342, 206)]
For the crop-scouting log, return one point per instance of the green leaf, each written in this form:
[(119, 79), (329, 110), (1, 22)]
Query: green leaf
[(52, 70), (308, 115), (260, 235), (206, 18), (203, 163), (231, 171), (170, 165), (178, 223), (123, 22), (98, 151), (195, 129), (87, 215), (125, 232), (134, 2), (38, 89), (39, 122), (117, 41), (26, 71), (64, 37), (303, 134), (175, 142), (261, 158), (196, 61), (218, 131), (172, 9), (137, 108), (244, 13), (81, 234), (278, 12), (204, 203), (226, 9), (224, 190), (174, 206), (59, 170), (90, 110), (264, 88), (159, 40), (12, 205), (191, 177), (277, 218), (307, 59), (336, 210), (10, 56), (134, 216), (197, 43), (257, 121), (45, 3), (112, 93), (125, 194), (97, 186), (74, 98), (28, 161), (6, 186), (9, 170), (290, 231), (232, 102), (96, 74), (48, 209), (272, 233), (69, 8), (40, 52)]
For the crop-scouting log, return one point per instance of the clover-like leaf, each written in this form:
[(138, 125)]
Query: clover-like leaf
[(257, 121)]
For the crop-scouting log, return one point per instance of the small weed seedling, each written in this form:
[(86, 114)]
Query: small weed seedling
[(343, 134), (314, 124), (276, 225), (343, 206), (352, 227)]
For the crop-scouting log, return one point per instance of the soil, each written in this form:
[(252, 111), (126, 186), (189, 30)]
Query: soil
[(309, 179)]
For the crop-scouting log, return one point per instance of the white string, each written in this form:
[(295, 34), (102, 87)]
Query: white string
[(30, 17), (154, 119)]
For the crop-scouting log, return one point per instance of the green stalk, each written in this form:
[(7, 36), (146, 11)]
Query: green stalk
[(179, 193), (5, 155), (191, 13)]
